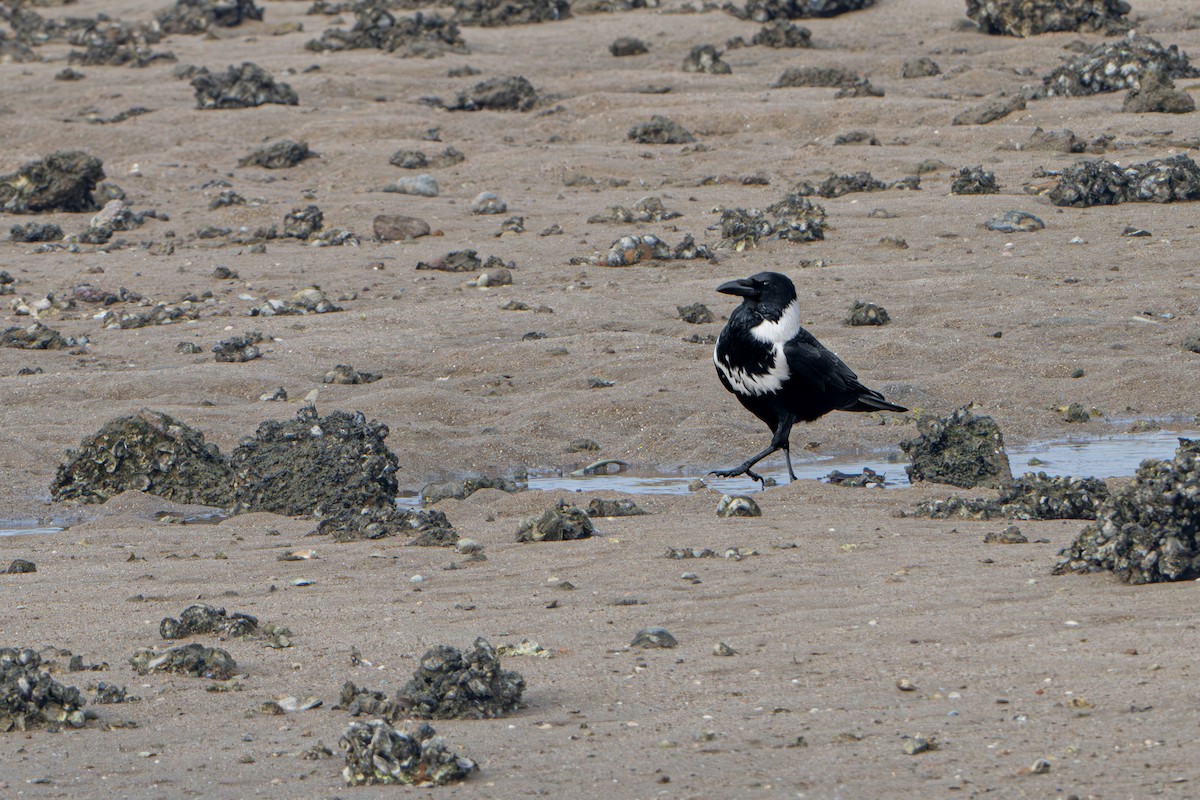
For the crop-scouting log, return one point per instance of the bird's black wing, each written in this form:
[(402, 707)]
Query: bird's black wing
[(826, 377)]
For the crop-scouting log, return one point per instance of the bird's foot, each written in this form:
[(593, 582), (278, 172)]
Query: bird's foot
[(730, 473)]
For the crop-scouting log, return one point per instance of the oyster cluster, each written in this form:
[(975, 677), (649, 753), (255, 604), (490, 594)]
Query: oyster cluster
[(963, 449), (376, 752), (245, 86), (974, 180), (1116, 66), (62, 181), (197, 16), (496, 13), (1148, 531), (1031, 17), (634, 248), (37, 337), (794, 219), (558, 523), (189, 659), (203, 618), (1100, 182), (375, 27), (1031, 496), (28, 695)]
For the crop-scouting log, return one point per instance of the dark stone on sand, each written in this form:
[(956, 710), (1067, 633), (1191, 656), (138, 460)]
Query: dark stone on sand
[(990, 111), (1192, 344), (867, 479), (433, 529), (974, 180), (860, 88), (856, 137), (1032, 17), (68, 74), (1064, 141), (348, 375), (779, 33), (767, 10), (793, 219), (37, 337), (29, 696), (1117, 66), (1075, 412), (196, 16), (923, 67), (62, 181), (705, 58), (1101, 182), (599, 507), (838, 185), (963, 449), (451, 684), (862, 313), (245, 86), (696, 313), (148, 451), (465, 261), (36, 232), (189, 659), (1148, 531), (375, 27), (462, 489), (660, 130), (20, 566), (1010, 535), (1015, 222), (1031, 496), (558, 523), (816, 76), (414, 755), (654, 637), (496, 13), (238, 349), (628, 46), (512, 93), (280, 154), (302, 223), (1157, 94), (409, 159), (202, 618)]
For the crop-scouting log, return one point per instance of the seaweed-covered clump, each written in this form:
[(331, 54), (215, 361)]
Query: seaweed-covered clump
[(1149, 531), (1116, 66), (511, 93), (62, 181), (37, 337), (767, 10), (335, 468), (188, 659), (29, 696), (450, 684), (279, 154), (245, 86), (558, 523), (660, 130), (1100, 182), (793, 219), (974, 180), (495, 13), (197, 16), (375, 27), (147, 451), (415, 756), (1031, 496), (203, 618), (1031, 17), (963, 449)]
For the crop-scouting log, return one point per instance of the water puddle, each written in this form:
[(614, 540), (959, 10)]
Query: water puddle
[(21, 527), (1106, 457)]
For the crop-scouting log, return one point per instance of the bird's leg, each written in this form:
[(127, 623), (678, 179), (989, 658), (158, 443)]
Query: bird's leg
[(779, 441), (787, 454)]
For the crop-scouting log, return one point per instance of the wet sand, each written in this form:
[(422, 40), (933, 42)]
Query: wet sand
[(844, 598)]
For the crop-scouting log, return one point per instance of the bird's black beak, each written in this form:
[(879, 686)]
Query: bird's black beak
[(742, 288)]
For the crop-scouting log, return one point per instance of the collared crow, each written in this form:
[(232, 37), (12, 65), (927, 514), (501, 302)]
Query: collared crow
[(778, 370)]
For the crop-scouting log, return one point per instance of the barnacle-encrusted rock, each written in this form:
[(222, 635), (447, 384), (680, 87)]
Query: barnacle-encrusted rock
[(599, 507), (20, 566), (279, 154), (963, 449), (633, 249), (705, 58), (37, 337), (766, 10), (419, 35), (435, 492), (190, 659), (628, 46), (196, 16), (239, 349), (1031, 17), (309, 300), (1031, 496), (660, 130), (494, 13), (147, 451), (108, 693), (794, 219), (335, 468), (695, 313), (36, 232), (302, 223), (1116, 66), (647, 209), (450, 684), (1101, 182), (244, 86), (511, 93), (974, 180), (1149, 531), (863, 313), (557, 523), (203, 618), (62, 181), (415, 756), (29, 696)]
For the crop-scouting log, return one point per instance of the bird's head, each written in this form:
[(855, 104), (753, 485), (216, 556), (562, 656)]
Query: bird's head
[(769, 292)]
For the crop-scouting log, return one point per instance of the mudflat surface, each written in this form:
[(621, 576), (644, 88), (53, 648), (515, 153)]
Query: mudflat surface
[(1009, 663)]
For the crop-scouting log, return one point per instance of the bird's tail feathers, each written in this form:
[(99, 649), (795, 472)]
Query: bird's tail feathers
[(874, 402)]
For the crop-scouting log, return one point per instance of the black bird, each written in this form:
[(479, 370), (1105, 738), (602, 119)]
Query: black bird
[(778, 370)]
